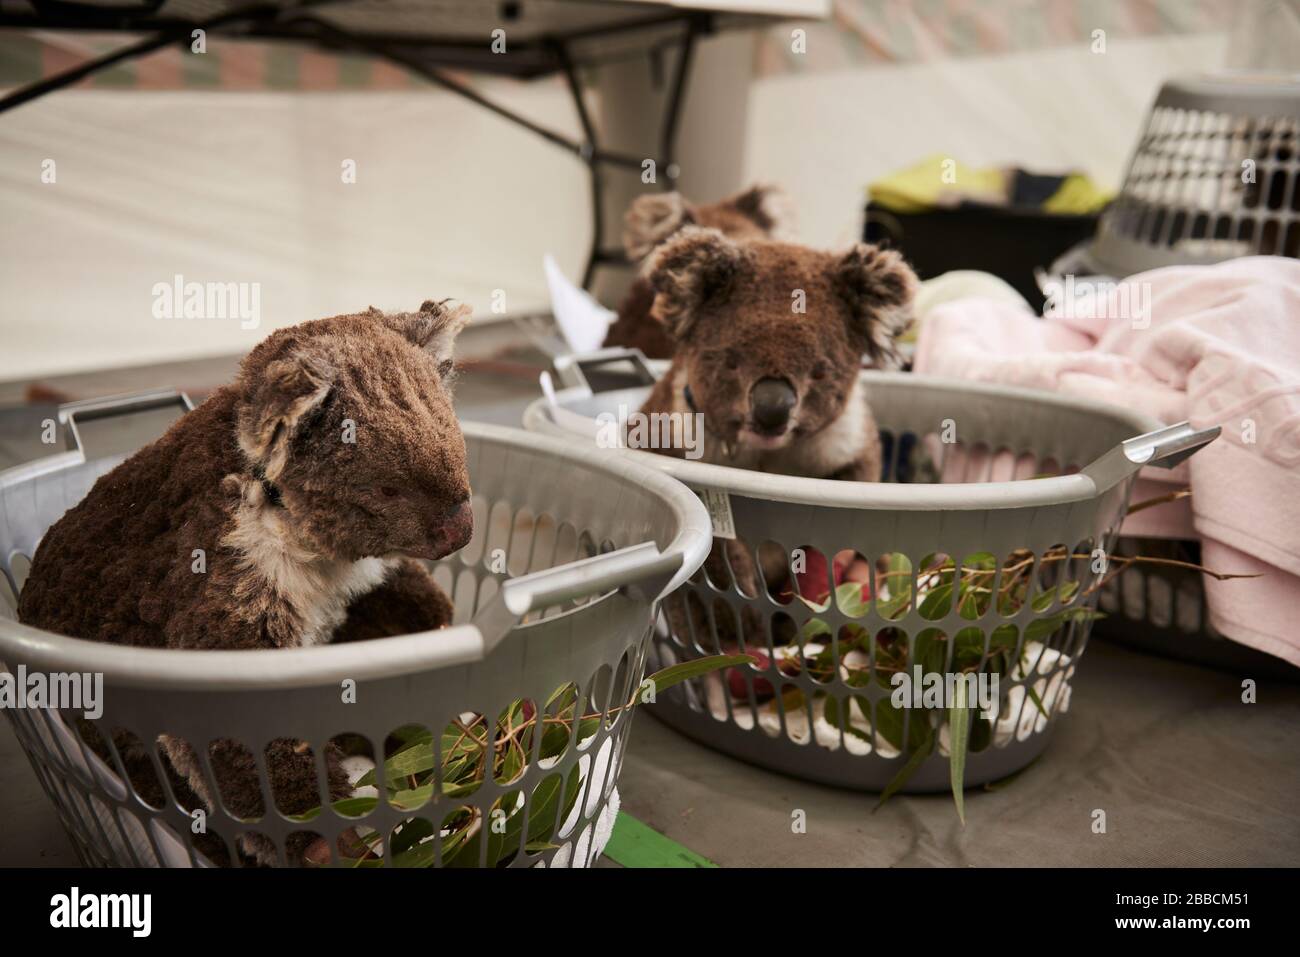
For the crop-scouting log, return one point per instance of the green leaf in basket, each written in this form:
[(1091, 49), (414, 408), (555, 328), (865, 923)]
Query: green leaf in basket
[(914, 761), (412, 798), (930, 651), (405, 764), (888, 722), (1040, 629), (864, 708), (410, 833), (968, 649), (1002, 638), (1038, 702), (813, 629), (892, 607), (546, 800), (665, 678), (1063, 593), (502, 845), (937, 602), (958, 738), (848, 596), (352, 806)]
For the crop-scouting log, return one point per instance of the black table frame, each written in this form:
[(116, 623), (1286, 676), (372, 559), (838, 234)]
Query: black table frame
[(427, 56)]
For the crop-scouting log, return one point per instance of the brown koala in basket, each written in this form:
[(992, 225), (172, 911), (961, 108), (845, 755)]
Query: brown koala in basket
[(287, 510), (770, 340), (760, 212)]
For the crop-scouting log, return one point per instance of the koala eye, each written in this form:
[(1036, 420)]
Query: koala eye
[(732, 359), (819, 371), (387, 491)]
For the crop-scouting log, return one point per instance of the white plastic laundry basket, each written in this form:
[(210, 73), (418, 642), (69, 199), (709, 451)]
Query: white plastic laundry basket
[(1215, 175), (554, 598), (974, 562)]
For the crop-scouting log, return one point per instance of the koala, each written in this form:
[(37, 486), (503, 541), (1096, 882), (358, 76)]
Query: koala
[(760, 212), (770, 338), (290, 509)]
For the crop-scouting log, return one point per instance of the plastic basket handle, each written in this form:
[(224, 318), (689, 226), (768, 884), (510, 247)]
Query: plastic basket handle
[(71, 414), (572, 370), (1163, 448), (639, 569)]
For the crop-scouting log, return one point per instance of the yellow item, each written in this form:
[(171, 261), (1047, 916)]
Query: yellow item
[(925, 185), (940, 181), (1077, 195)]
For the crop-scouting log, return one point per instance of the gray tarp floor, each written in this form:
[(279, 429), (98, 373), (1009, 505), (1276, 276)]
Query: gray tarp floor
[(1187, 774)]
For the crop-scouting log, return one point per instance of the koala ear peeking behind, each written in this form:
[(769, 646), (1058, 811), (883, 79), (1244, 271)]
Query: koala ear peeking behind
[(769, 340), (762, 211)]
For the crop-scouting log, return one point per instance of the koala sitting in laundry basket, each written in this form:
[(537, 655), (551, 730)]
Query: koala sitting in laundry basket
[(760, 212), (287, 510), (770, 339)]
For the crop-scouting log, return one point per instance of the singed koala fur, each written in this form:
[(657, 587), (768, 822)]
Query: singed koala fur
[(760, 212), (777, 387), (311, 484)]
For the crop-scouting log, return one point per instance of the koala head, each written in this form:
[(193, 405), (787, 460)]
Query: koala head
[(348, 424), (760, 212), (770, 335)]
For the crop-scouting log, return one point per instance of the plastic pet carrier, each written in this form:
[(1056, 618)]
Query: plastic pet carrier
[(982, 552), (1216, 175), (495, 742)]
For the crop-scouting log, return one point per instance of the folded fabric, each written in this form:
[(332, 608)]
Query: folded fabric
[(1216, 345)]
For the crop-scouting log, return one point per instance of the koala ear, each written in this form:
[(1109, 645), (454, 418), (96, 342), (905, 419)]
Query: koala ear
[(434, 328), (651, 219), (878, 287), (285, 394), (769, 207), (695, 268)]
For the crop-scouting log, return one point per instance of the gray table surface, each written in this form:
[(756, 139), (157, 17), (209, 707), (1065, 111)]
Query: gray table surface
[(1187, 774)]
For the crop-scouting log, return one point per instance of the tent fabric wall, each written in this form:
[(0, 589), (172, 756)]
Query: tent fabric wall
[(244, 186)]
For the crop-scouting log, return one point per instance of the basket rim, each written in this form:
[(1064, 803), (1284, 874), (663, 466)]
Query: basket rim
[(265, 669), (892, 496)]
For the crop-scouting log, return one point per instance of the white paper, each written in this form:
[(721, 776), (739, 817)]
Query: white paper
[(582, 320)]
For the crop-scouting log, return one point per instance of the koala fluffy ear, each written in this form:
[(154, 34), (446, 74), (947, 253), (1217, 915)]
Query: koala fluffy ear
[(769, 207), (651, 219), (434, 328), (878, 287), (695, 268), (286, 393)]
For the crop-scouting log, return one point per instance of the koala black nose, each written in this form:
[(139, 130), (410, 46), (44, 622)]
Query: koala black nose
[(771, 401)]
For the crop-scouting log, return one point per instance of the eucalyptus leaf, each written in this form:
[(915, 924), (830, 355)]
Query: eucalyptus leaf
[(905, 773), (848, 596), (958, 738), (665, 678), (937, 602)]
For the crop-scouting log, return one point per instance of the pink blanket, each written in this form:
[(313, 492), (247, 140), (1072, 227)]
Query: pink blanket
[(1217, 345)]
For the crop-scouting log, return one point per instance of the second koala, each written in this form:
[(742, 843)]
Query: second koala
[(770, 338)]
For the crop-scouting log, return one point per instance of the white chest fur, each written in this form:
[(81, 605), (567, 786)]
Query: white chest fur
[(839, 444), (282, 578)]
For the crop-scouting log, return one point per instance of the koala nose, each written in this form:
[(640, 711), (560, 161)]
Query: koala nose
[(451, 530), (772, 401)]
